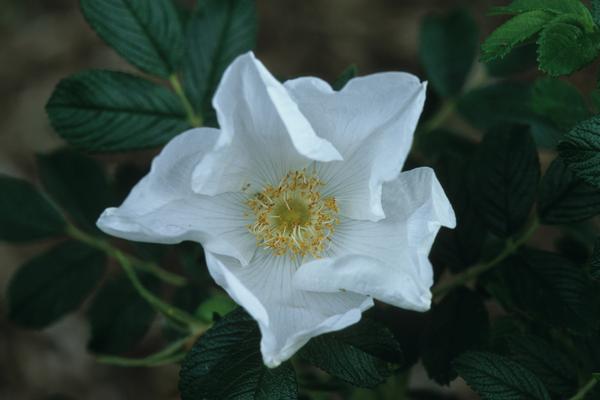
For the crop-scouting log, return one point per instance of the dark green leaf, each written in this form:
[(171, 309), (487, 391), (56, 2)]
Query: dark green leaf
[(119, 317), (53, 284), (507, 102), (581, 150), (447, 50), (498, 378), (520, 59), (77, 183), (559, 7), (595, 99), (359, 354), (148, 34), (564, 48), (459, 323), (515, 31), (572, 247), (560, 102), (502, 330), (505, 178), (596, 11), (595, 261), (114, 111), (458, 248), (226, 364), (217, 33), (344, 77), (553, 368), (551, 289), (565, 198), (497, 103), (25, 214)]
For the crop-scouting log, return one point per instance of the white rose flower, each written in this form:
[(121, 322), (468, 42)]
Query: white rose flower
[(299, 201)]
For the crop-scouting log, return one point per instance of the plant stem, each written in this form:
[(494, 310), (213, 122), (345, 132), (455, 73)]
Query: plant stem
[(438, 118), (194, 119), (113, 252), (172, 353), (580, 395), (166, 309), (510, 247)]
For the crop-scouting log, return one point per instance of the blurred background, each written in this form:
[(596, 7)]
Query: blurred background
[(44, 41)]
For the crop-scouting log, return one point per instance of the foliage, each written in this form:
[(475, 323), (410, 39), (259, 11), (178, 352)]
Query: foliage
[(566, 34), (518, 155)]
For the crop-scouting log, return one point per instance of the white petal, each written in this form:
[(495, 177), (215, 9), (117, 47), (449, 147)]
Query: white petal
[(388, 259), (162, 208), (371, 121), (263, 134), (287, 317)]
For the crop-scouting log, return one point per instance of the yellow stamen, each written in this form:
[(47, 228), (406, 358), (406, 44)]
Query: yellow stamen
[(293, 218)]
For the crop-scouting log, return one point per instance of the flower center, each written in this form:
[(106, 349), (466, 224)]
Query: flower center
[(293, 217)]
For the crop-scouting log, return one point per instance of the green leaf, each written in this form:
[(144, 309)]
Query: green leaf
[(596, 11), (580, 150), (595, 99), (53, 284), (495, 104), (461, 247), (458, 323), (148, 34), (114, 111), (551, 289), (505, 177), (560, 102), (496, 377), (25, 214), (507, 102), (520, 59), (76, 182), (217, 33), (447, 50), (119, 317), (553, 368), (515, 31), (564, 48), (219, 304), (595, 261), (360, 354), (559, 7), (564, 198), (226, 364), (350, 72)]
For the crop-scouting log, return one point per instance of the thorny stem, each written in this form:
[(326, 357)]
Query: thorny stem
[(115, 253), (585, 389), (512, 245), (194, 119)]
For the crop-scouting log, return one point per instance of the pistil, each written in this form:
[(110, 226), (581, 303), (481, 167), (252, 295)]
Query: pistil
[(293, 217)]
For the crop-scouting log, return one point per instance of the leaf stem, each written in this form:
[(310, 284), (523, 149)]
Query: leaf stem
[(510, 247), (166, 309), (149, 267), (172, 353), (127, 263), (194, 119), (439, 117), (585, 389)]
